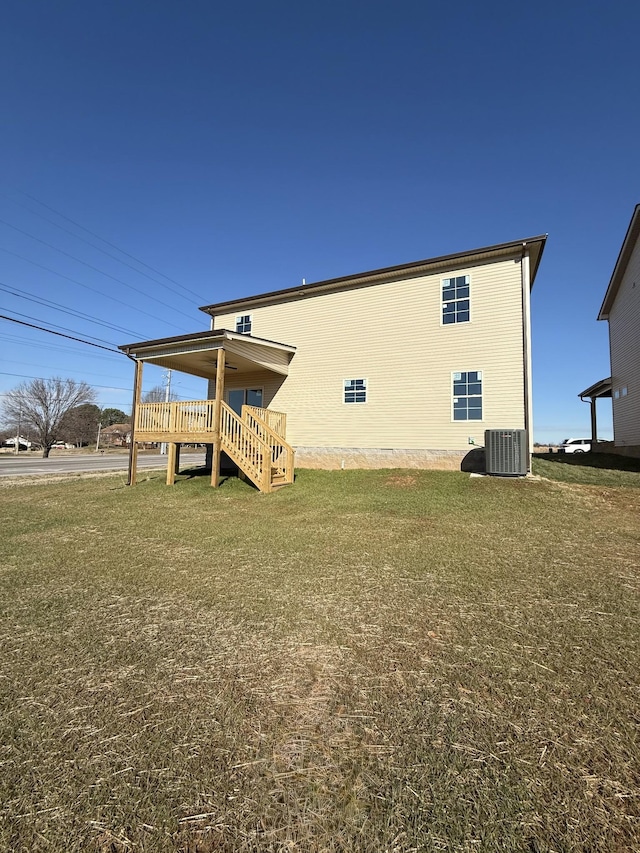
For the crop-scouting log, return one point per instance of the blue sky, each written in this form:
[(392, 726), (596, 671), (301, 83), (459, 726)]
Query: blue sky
[(240, 148)]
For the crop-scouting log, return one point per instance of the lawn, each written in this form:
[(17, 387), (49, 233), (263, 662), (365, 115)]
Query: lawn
[(367, 661)]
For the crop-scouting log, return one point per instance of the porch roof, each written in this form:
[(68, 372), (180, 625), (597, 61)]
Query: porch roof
[(196, 353), (602, 388)]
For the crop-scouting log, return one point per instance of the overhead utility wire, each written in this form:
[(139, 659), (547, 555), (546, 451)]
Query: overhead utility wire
[(51, 332), (91, 267), (44, 378), (30, 297), (100, 249), (113, 245), (55, 325), (87, 287), (47, 366), (16, 339)]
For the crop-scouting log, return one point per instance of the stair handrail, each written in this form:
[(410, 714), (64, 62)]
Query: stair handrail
[(245, 447), (277, 421), (278, 447)]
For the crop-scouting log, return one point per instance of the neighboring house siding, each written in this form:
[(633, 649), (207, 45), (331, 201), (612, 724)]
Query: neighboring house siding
[(624, 333), (391, 334)]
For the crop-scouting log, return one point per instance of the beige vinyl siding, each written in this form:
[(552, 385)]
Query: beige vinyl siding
[(624, 334), (392, 335)]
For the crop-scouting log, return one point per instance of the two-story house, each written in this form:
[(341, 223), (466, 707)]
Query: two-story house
[(621, 308), (404, 366)]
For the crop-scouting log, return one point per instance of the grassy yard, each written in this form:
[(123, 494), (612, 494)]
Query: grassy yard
[(368, 661)]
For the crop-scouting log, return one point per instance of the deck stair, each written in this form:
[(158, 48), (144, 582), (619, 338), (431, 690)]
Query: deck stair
[(256, 448)]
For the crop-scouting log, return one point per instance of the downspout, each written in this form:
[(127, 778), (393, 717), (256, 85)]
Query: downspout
[(594, 420), (526, 349)]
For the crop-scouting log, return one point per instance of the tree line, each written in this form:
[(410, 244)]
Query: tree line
[(47, 411)]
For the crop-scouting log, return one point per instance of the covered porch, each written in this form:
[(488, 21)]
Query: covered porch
[(594, 392), (254, 437)]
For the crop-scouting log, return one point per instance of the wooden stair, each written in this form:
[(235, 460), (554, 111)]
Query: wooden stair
[(259, 452)]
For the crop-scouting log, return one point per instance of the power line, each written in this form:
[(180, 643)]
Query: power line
[(51, 332), (104, 387), (91, 267), (87, 287), (44, 378), (30, 297), (56, 325), (106, 242), (46, 366), (99, 249), (16, 339)]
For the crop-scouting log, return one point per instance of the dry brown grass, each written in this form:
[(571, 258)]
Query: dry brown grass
[(379, 661)]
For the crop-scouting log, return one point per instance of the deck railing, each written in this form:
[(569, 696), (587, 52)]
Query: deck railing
[(277, 421), (282, 454), (190, 417)]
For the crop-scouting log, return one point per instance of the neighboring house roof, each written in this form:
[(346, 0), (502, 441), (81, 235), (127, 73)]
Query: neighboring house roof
[(535, 245), (630, 240), (116, 429)]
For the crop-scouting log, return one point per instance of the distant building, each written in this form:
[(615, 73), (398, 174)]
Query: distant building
[(23, 443), (116, 435)]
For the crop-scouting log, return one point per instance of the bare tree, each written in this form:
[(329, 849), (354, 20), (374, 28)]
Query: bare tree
[(41, 405), (158, 394)]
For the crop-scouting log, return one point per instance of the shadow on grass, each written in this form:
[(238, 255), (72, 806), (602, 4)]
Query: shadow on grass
[(608, 461), (227, 475)]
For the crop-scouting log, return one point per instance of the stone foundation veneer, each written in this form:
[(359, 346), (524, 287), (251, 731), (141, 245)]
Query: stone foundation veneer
[(331, 458)]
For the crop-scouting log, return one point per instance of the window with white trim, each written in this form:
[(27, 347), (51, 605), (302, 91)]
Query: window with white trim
[(467, 395), (243, 324), (355, 390), (455, 300)]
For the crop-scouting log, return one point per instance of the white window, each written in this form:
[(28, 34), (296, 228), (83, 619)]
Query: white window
[(243, 324), (355, 390), (455, 300), (467, 395), (624, 391)]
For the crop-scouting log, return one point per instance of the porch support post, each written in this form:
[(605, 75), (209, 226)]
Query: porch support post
[(171, 463), (133, 445), (177, 465), (594, 423), (217, 449)]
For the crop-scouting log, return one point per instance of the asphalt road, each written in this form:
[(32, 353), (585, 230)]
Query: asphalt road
[(21, 466)]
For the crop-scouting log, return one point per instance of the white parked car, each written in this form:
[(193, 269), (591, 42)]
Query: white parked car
[(575, 445)]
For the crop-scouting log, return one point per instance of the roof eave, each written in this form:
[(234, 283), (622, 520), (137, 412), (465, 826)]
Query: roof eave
[(633, 232), (380, 275)]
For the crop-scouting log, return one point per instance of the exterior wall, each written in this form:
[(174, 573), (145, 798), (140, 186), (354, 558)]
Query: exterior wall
[(610, 447), (624, 334), (391, 334)]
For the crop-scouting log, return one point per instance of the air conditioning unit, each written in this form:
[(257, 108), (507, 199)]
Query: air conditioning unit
[(506, 452)]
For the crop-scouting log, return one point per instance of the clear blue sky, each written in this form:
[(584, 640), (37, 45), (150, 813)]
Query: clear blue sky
[(238, 148)]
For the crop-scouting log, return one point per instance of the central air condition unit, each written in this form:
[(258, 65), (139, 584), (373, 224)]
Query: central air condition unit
[(506, 452)]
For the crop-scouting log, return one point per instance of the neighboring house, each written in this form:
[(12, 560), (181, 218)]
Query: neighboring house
[(405, 366), (621, 307), (116, 435), (23, 443)]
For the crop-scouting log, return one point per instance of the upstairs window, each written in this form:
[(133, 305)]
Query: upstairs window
[(243, 324), (467, 395), (355, 390), (455, 300)]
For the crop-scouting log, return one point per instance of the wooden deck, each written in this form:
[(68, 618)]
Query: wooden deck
[(255, 441)]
